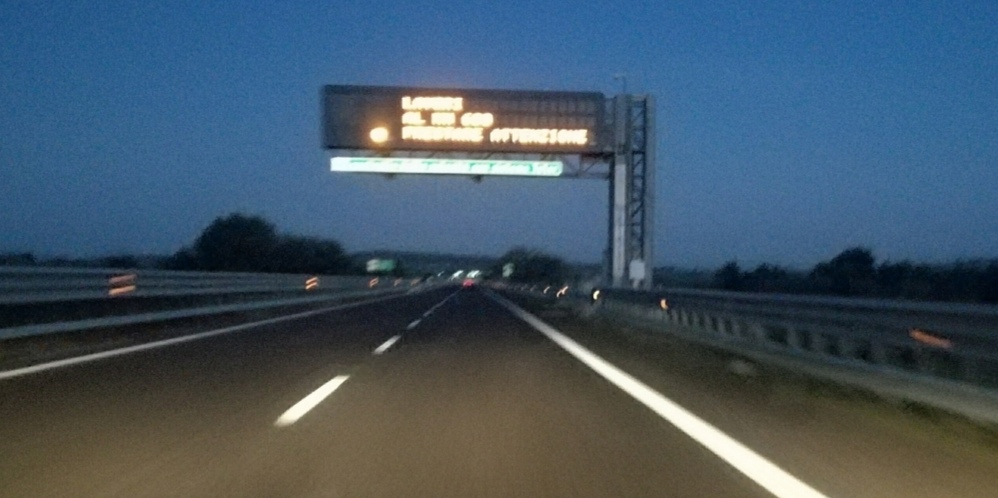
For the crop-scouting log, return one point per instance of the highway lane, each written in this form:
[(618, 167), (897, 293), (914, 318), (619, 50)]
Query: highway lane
[(85, 429), (468, 401)]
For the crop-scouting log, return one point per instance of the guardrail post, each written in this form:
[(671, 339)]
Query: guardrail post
[(793, 338), (856, 349), (819, 343), (735, 327), (713, 324), (938, 362), (969, 369), (981, 371), (878, 352), (722, 326), (755, 332)]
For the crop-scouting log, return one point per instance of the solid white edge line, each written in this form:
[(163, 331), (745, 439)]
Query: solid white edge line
[(41, 367), (387, 344), (299, 409), (753, 465)]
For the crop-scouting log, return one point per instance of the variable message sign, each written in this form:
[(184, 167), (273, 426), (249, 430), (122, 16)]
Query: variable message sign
[(434, 119)]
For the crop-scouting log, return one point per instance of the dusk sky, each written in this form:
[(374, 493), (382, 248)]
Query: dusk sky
[(788, 131)]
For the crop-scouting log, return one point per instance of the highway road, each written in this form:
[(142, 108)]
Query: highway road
[(462, 393)]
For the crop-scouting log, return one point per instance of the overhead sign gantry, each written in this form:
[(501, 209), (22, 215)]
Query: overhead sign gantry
[(474, 132)]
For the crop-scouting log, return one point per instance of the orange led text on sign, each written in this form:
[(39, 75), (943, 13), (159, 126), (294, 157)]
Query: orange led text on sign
[(440, 119)]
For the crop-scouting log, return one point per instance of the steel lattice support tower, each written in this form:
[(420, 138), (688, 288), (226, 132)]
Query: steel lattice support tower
[(632, 191)]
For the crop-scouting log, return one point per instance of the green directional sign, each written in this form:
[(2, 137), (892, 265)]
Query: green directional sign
[(435, 166), (380, 265), (507, 270)]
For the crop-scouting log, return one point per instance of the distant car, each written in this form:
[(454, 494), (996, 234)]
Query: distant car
[(468, 283)]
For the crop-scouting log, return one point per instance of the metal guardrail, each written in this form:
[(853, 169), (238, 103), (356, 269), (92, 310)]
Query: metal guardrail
[(20, 285), (110, 297), (942, 354), (955, 341), (159, 316)]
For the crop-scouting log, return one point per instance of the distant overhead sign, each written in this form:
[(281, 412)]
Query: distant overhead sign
[(380, 265), (405, 119), (434, 166)]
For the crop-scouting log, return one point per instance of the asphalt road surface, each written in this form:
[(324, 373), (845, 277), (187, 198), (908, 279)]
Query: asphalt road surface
[(460, 393)]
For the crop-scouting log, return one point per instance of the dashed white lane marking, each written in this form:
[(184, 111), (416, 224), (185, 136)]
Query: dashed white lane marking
[(299, 409), (441, 303), (41, 367), (413, 324), (753, 465), (387, 344)]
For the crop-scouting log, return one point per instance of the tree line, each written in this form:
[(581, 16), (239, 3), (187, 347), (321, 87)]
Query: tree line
[(244, 243), (235, 243), (855, 272)]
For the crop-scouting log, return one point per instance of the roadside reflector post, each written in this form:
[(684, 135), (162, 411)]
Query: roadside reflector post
[(121, 284), (312, 283)]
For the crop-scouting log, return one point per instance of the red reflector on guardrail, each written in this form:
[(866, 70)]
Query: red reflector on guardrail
[(930, 339)]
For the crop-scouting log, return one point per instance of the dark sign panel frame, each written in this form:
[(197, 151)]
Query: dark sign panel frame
[(392, 119)]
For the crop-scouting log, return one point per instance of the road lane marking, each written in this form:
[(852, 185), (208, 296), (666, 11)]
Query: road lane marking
[(753, 465), (441, 303), (413, 324), (41, 367), (387, 344), (299, 409)]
